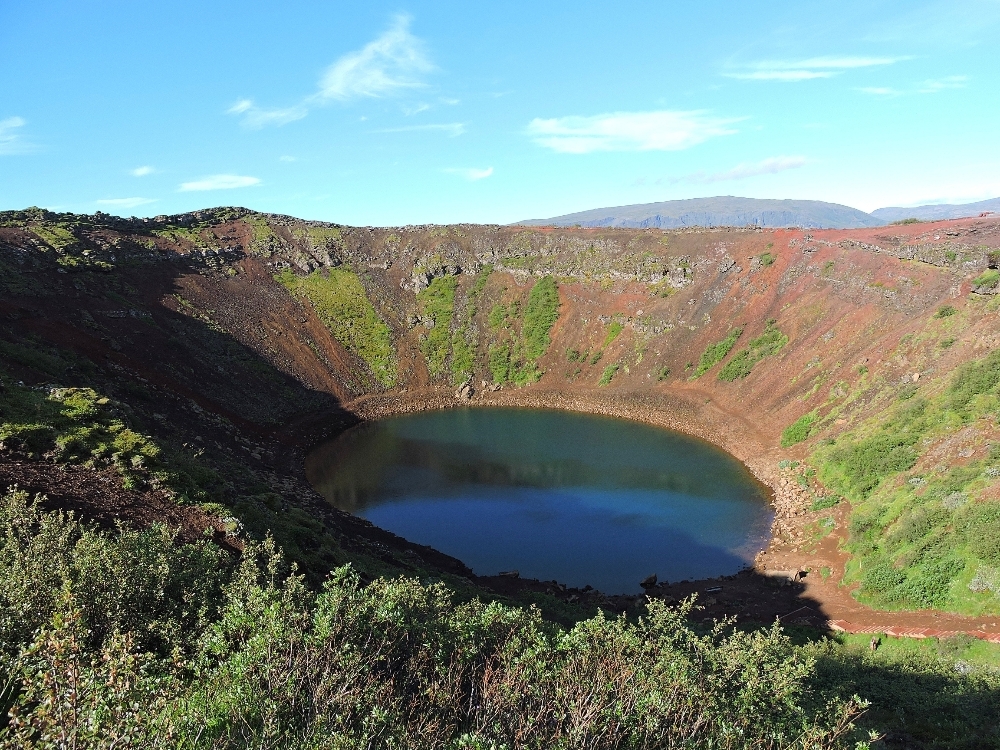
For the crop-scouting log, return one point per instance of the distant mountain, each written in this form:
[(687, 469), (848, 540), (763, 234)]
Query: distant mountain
[(937, 212), (717, 212)]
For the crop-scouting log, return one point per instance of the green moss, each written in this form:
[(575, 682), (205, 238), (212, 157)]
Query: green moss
[(614, 329), (515, 355), (540, 314), (340, 301), (987, 279), (798, 430), (716, 352), (464, 344), (438, 302), (769, 343), (609, 373)]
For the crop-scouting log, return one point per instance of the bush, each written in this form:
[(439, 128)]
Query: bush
[(945, 311), (609, 373), (395, 663), (769, 343), (988, 279), (540, 314), (716, 352), (798, 430), (438, 302)]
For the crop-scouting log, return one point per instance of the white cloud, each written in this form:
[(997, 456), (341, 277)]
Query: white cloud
[(125, 202), (879, 91), (934, 85), (142, 171), (471, 173), (388, 65), (256, 117), (792, 71), (783, 75), (288, 158), (772, 165), (663, 130), (452, 129), (11, 141), (219, 182), (384, 66)]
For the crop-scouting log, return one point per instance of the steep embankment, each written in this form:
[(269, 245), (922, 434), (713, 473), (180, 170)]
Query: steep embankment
[(230, 341)]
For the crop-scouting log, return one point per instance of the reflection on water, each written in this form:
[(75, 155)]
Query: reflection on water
[(580, 498)]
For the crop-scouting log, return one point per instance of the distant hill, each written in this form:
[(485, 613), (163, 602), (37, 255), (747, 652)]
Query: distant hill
[(719, 211), (937, 212)]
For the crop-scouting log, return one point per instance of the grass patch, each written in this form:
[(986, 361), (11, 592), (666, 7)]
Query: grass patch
[(716, 352), (515, 358), (769, 343), (340, 302), (438, 302), (988, 279), (614, 330), (922, 540), (662, 374), (609, 373), (798, 430), (464, 344)]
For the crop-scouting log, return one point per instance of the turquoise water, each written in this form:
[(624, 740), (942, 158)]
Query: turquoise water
[(558, 495)]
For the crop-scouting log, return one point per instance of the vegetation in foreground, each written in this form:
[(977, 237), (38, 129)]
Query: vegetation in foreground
[(127, 639)]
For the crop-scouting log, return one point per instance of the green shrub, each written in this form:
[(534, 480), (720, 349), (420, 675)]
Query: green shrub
[(438, 302), (974, 379), (609, 373), (798, 430), (540, 314), (945, 311), (614, 329), (716, 352), (767, 259), (340, 302), (262, 661), (662, 374), (987, 279), (769, 343)]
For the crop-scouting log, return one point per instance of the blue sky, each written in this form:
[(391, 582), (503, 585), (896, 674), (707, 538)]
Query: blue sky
[(432, 112)]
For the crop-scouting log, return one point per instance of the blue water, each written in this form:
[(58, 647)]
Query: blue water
[(558, 495)]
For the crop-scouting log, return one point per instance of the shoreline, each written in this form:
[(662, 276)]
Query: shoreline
[(768, 590)]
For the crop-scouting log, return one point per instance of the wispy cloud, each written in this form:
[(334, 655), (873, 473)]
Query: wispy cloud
[(11, 140), (384, 66), (793, 71), (880, 91), (743, 171), (219, 182), (934, 85), (451, 129), (471, 173), (930, 86), (125, 202), (142, 171), (392, 63), (257, 117), (663, 130), (772, 165)]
